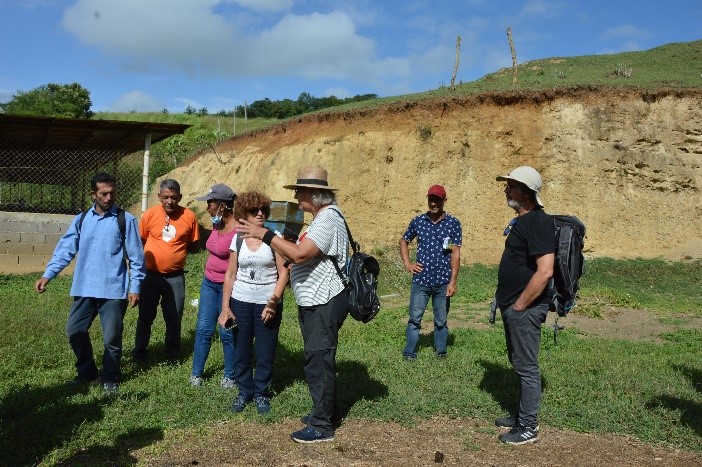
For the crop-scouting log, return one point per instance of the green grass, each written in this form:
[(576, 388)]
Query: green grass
[(649, 391)]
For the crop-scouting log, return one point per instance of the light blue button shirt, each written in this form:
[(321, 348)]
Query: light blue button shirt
[(100, 268)]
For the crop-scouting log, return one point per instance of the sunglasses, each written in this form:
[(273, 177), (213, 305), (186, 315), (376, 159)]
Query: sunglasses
[(509, 187), (511, 224), (266, 210)]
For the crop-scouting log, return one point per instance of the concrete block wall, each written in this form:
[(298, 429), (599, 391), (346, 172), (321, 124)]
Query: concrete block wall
[(27, 240)]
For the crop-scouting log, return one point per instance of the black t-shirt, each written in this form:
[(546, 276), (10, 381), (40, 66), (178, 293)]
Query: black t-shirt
[(532, 235)]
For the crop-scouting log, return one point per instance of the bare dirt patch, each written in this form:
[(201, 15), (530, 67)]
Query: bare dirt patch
[(438, 441)]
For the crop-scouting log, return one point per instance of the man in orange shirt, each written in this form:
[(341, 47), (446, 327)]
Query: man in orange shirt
[(167, 231)]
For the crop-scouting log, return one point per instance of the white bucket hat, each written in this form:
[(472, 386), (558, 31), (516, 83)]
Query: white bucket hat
[(528, 176)]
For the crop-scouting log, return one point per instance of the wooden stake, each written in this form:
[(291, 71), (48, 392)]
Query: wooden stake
[(514, 56), (455, 67)]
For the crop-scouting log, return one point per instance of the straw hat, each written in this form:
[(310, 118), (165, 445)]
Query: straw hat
[(311, 177)]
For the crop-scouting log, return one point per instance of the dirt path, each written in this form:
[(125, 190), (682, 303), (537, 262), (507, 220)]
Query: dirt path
[(438, 441)]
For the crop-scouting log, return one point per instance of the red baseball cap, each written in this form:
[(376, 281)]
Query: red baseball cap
[(437, 190)]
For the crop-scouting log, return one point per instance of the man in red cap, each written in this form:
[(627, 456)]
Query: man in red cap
[(439, 240)]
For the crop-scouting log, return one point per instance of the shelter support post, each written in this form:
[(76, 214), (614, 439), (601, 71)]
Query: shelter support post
[(145, 174)]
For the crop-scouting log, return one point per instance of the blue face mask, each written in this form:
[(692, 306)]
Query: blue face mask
[(218, 218)]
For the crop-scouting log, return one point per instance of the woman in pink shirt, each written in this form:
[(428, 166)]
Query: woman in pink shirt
[(220, 203)]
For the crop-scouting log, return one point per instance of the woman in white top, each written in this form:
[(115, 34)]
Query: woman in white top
[(253, 297), (320, 295)]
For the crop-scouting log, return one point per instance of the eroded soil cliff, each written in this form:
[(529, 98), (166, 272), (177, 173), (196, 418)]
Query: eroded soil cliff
[(626, 161)]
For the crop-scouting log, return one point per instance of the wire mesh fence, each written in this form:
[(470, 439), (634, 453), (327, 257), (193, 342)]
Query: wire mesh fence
[(57, 180), (46, 164)]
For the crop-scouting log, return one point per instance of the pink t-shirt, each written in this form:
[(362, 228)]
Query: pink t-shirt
[(218, 261)]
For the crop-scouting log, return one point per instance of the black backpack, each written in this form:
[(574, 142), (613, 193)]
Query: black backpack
[(360, 280), (568, 264)]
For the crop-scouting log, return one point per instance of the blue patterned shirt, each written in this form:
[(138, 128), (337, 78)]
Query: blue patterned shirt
[(100, 268), (434, 242)]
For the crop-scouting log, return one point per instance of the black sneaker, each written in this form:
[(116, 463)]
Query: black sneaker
[(520, 435), (263, 405), (508, 422), (239, 404), (310, 435), (110, 388)]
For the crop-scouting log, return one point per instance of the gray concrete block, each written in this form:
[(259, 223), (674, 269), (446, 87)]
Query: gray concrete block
[(9, 261), (9, 237), (44, 249), (52, 239), (19, 248), (34, 238), (23, 227), (25, 261), (49, 227)]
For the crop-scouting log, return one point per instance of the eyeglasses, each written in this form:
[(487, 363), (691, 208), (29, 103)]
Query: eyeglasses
[(511, 224), (168, 222), (509, 187), (266, 210)]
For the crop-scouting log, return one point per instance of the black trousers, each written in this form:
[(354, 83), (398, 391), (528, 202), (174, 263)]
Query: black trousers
[(320, 332)]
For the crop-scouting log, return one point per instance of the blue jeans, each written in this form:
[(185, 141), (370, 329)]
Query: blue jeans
[(250, 326), (83, 312), (210, 305), (169, 289), (419, 298), (523, 336)]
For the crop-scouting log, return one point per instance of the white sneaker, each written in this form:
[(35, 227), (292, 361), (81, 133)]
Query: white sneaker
[(227, 383), (195, 381)]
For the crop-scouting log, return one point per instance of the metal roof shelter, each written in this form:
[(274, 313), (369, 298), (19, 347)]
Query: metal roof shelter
[(59, 152)]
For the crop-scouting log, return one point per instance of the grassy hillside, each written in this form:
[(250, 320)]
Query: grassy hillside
[(672, 65)]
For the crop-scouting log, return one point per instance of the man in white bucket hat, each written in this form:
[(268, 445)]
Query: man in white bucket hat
[(523, 275)]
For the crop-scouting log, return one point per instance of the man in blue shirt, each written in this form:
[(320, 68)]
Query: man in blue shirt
[(102, 284), (439, 240)]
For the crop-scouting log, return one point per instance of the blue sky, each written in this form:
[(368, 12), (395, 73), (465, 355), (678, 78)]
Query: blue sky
[(147, 55)]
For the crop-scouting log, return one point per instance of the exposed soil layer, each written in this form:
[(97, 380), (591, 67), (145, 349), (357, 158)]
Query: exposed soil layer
[(628, 162)]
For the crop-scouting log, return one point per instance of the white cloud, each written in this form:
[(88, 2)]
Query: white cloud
[(265, 5), (188, 36), (136, 100)]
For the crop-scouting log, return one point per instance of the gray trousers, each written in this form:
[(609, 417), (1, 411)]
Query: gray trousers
[(523, 335)]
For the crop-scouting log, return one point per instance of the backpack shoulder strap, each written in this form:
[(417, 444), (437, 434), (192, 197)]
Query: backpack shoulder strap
[(354, 246), (122, 224), (239, 242), (80, 221)]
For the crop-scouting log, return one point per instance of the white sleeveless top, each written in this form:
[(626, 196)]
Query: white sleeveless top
[(256, 274)]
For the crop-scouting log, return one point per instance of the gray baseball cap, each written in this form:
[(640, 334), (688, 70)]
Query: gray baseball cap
[(220, 192), (528, 176)]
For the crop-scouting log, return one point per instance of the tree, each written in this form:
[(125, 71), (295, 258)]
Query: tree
[(51, 100)]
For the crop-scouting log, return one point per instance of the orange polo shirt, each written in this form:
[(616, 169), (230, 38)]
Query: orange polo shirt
[(166, 238)]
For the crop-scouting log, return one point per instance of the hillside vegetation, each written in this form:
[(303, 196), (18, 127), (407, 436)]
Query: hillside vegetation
[(676, 65)]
